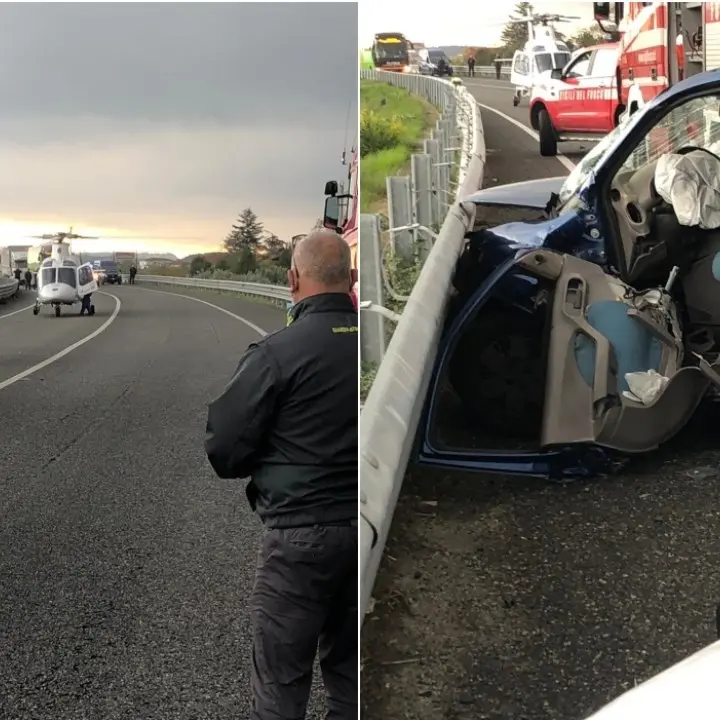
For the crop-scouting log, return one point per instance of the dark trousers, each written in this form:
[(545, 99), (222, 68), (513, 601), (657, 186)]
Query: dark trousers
[(305, 603)]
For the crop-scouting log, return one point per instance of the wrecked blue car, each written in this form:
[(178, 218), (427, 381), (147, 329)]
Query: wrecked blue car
[(590, 330)]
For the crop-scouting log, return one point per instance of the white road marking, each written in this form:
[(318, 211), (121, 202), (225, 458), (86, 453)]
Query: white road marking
[(252, 326), (16, 312), (53, 358), (568, 164)]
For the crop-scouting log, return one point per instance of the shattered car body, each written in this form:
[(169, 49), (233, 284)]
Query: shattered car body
[(591, 332)]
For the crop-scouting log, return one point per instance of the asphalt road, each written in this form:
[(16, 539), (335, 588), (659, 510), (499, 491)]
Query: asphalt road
[(502, 598), (125, 564)]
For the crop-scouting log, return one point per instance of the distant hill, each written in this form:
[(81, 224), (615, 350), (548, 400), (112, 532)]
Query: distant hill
[(450, 50), (211, 257), (484, 54), (92, 256)]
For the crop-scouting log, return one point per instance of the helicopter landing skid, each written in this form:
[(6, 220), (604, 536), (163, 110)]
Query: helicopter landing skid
[(58, 308), (520, 92)]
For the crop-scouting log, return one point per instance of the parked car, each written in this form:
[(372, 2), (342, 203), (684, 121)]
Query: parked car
[(107, 272), (590, 330), (437, 64)]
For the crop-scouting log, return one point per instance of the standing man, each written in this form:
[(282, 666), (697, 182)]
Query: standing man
[(289, 421), (498, 68), (471, 66), (133, 273)]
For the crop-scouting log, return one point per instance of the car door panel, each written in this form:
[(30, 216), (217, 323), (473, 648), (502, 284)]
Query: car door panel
[(600, 333), (576, 82)]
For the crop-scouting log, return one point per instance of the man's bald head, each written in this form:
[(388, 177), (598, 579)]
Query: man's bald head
[(322, 258)]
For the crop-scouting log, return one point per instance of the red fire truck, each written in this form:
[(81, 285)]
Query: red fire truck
[(341, 211), (658, 43)]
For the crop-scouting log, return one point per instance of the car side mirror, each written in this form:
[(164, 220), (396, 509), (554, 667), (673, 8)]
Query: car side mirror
[(331, 217)]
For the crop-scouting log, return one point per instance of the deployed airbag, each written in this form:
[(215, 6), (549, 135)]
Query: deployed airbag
[(691, 184)]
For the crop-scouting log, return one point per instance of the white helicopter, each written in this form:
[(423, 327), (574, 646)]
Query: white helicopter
[(62, 279), (542, 52)]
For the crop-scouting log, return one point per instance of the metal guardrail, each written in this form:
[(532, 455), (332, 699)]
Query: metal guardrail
[(274, 292), (391, 413), (487, 71), (8, 287)]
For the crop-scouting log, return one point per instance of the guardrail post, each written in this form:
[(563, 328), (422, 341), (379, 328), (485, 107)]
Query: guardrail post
[(441, 174), (372, 324), (432, 148), (421, 173), (400, 214)]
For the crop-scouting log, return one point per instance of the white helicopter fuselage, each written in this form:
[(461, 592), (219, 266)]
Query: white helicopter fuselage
[(57, 293), (541, 54), (62, 280)]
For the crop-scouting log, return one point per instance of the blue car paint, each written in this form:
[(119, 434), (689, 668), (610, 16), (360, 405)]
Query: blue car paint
[(581, 233)]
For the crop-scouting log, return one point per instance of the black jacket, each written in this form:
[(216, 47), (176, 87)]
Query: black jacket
[(289, 418)]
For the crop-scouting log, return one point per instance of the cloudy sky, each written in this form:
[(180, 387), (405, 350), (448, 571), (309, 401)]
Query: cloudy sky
[(162, 121), (460, 22)]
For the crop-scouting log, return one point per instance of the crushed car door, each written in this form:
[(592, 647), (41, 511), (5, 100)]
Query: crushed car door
[(614, 365), (536, 361), (483, 409), (86, 280)]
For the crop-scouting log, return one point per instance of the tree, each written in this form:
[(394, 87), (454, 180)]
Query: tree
[(515, 34), (199, 265), (247, 232), (244, 261), (273, 244), (284, 258), (587, 37), (278, 252)]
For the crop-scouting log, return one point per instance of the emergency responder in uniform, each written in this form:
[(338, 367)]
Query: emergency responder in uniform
[(133, 273), (28, 280), (471, 66), (289, 421), (18, 273)]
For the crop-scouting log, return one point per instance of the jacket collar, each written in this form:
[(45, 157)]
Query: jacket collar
[(325, 302)]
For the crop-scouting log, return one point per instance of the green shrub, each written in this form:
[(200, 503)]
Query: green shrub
[(379, 133)]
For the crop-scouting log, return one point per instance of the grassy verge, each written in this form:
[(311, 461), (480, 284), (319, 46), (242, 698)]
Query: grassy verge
[(393, 124)]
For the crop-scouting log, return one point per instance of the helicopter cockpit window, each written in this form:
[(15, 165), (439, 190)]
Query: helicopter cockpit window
[(47, 275), (67, 276), (546, 61), (543, 62)]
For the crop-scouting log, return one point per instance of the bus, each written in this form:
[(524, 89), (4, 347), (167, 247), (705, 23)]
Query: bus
[(391, 51)]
